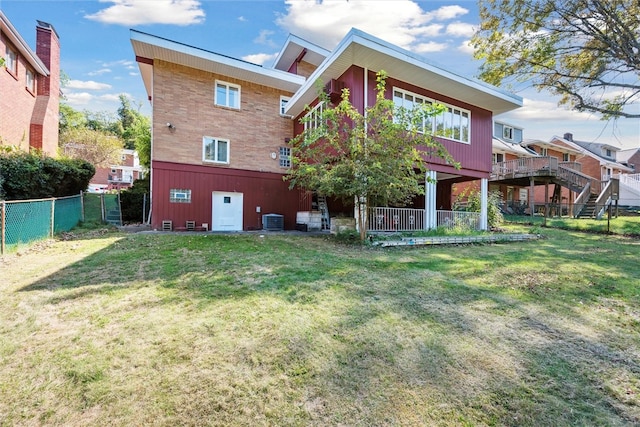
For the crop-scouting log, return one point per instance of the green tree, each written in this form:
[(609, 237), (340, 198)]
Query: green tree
[(70, 118), (99, 148), (141, 131), (586, 51), (377, 157)]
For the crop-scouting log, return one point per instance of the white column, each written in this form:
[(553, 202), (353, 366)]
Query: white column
[(484, 185), (430, 215)]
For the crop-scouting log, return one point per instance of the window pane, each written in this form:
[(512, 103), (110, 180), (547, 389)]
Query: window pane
[(221, 94), (208, 149), (234, 97), (222, 151)]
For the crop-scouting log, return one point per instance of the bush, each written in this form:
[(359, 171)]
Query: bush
[(31, 176), (473, 202), (132, 201)]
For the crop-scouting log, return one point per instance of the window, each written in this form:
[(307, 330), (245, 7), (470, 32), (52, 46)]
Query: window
[(453, 124), (12, 61), (227, 95), (179, 196), (608, 153), (285, 157), (507, 132), (30, 81), (283, 104), (215, 150), (565, 157), (544, 152), (498, 157), (313, 118)]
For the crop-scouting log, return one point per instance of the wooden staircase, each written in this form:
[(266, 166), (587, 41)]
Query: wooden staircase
[(589, 209)]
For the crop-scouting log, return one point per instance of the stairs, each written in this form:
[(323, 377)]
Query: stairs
[(112, 212), (589, 209), (324, 212)]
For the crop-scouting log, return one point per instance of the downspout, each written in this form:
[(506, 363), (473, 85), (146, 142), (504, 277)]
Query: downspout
[(151, 155)]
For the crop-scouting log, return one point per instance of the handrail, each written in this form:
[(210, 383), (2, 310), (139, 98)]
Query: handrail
[(630, 180), (525, 166), (582, 199), (575, 180), (605, 197)]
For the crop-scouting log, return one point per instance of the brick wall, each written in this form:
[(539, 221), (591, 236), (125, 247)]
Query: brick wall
[(184, 97)]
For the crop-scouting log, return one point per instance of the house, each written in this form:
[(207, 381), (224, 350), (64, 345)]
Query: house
[(30, 88), (120, 176), (221, 125)]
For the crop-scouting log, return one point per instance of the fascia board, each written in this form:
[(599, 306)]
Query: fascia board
[(22, 46)]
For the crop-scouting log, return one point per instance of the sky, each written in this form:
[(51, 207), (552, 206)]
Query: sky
[(97, 56)]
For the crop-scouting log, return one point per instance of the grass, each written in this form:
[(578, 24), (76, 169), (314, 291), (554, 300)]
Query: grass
[(104, 328), (623, 225)]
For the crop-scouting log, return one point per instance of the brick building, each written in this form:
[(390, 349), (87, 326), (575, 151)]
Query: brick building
[(30, 88), (221, 125)]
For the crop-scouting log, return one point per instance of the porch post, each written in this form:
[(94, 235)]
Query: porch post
[(484, 203), (532, 188), (430, 215)]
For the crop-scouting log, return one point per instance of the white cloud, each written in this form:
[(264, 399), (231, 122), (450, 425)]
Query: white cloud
[(139, 12), (80, 98), (430, 47), (242, 19), (87, 85), (547, 111), (260, 58), (124, 62), (99, 72), (460, 29), (466, 47), (263, 38), (400, 22)]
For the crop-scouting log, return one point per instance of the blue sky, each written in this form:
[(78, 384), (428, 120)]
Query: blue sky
[(96, 52)]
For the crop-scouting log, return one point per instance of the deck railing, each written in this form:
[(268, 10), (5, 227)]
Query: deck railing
[(529, 166), (630, 180), (408, 219)]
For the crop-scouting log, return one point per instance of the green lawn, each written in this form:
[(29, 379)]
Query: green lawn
[(107, 329)]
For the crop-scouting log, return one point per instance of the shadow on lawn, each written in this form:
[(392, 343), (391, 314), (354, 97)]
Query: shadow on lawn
[(401, 329)]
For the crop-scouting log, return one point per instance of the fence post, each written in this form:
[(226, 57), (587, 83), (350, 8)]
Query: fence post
[(144, 207), (102, 215), (53, 212), (82, 205), (3, 221)]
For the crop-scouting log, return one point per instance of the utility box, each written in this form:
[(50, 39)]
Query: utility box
[(273, 222)]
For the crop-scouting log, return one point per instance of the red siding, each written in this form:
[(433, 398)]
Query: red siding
[(267, 190)]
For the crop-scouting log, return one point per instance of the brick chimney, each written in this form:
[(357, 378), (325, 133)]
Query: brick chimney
[(44, 120), (568, 136)]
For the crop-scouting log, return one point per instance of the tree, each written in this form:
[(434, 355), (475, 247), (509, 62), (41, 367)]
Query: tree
[(97, 147), (586, 51), (141, 131), (70, 118), (376, 157)]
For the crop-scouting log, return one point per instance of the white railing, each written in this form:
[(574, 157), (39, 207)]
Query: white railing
[(408, 219), (395, 219), (630, 180), (459, 219)]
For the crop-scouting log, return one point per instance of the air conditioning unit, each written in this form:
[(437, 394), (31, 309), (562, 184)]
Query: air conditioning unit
[(272, 222), (333, 88)]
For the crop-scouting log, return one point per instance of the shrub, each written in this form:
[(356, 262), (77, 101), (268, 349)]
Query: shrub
[(32, 176), (132, 201), (473, 202)]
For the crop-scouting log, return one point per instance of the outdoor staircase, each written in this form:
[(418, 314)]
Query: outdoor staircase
[(113, 213), (589, 209), (324, 213)]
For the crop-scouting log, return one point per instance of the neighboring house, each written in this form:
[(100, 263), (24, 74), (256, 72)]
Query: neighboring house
[(120, 176), (221, 125), (29, 88)]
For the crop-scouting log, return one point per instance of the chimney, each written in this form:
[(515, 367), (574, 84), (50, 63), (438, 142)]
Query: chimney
[(48, 50), (568, 136)]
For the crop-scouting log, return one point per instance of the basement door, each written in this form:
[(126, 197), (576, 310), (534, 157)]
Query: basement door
[(226, 211)]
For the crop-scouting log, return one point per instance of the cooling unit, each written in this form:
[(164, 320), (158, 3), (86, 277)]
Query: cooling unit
[(272, 222)]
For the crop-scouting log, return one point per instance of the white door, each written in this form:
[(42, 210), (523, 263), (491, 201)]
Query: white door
[(226, 211)]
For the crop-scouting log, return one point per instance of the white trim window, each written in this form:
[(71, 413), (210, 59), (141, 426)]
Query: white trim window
[(283, 104), (566, 157), (498, 158), (454, 123), (12, 61), (507, 132), (227, 95), (215, 150), (313, 119), (30, 81), (179, 196), (285, 157)]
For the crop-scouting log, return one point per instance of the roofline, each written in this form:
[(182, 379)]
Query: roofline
[(365, 39), (592, 154), (16, 39), (161, 42), (292, 38)]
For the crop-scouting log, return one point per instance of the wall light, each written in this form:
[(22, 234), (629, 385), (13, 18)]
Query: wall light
[(170, 126)]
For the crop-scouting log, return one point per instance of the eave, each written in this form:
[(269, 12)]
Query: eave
[(363, 50), (149, 48), (16, 40)]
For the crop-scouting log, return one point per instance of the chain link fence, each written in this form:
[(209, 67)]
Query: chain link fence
[(26, 221)]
